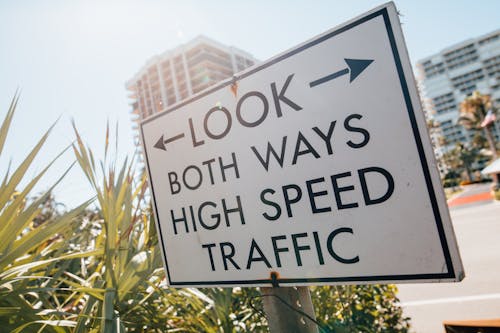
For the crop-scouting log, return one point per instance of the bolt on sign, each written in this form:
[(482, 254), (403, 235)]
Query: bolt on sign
[(314, 167)]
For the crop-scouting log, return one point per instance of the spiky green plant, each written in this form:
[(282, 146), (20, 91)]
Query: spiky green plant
[(128, 280), (127, 272), (30, 251)]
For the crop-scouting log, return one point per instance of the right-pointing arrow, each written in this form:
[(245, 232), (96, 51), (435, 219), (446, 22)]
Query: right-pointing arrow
[(355, 67)]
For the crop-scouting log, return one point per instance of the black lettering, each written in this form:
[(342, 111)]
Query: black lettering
[(191, 211), (337, 189), (270, 150), (229, 166), (288, 201), (228, 256), (332, 252), (215, 216), (277, 249), (270, 203), (209, 166), (261, 257), (193, 135), (209, 247), (364, 186), (298, 248), (197, 171), (238, 209), (365, 133), (328, 137), (318, 248), (181, 219), (264, 113), (312, 195), (309, 149), (281, 97), (229, 122), (174, 182)]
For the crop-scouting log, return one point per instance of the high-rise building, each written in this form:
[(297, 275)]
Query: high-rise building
[(179, 73), (451, 75)]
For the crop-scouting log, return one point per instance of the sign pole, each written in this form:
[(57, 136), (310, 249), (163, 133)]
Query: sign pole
[(288, 308)]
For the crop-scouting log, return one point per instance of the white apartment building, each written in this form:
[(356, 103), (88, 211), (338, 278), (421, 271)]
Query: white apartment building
[(448, 77), (177, 74)]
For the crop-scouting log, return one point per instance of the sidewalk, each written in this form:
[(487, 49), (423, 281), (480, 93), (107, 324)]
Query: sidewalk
[(475, 193)]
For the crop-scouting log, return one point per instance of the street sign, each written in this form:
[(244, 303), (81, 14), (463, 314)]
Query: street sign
[(314, 167)]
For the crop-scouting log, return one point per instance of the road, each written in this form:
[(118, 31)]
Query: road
[(477, 228)]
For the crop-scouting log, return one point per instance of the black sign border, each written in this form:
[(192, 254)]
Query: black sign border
[(450, 274)]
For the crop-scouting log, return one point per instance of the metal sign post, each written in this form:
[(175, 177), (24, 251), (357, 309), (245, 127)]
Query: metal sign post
[(289, 309)]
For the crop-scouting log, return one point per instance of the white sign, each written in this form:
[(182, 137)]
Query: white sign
[(312, 168)]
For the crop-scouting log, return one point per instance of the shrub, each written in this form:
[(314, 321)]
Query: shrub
[(450, 183)]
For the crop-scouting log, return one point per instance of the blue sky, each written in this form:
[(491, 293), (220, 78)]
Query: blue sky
[(71, 59)]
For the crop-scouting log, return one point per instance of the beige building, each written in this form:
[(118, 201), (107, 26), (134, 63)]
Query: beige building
[(179, 73)]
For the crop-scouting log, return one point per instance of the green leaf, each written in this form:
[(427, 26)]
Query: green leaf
[(19, 173), (9, 311), (14, 222), (56, 323), (17, 270), (4, 130), (39, 235), (81, 326), (135, 272)]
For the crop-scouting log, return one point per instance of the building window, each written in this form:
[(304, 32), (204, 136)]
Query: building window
[(488, 40), (466, 82)]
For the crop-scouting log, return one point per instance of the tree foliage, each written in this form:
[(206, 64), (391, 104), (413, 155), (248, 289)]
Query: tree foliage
[(473, 111), (359, 308), (462, 158)]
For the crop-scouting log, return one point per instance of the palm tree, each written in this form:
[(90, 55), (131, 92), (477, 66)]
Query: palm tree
[(461, 158), (473, 111)]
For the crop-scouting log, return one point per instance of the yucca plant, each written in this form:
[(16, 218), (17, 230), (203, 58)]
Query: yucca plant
[(127, 281), (128, 272), (31, 250)]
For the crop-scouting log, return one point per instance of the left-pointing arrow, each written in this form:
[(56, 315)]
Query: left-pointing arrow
[(160, 144)]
